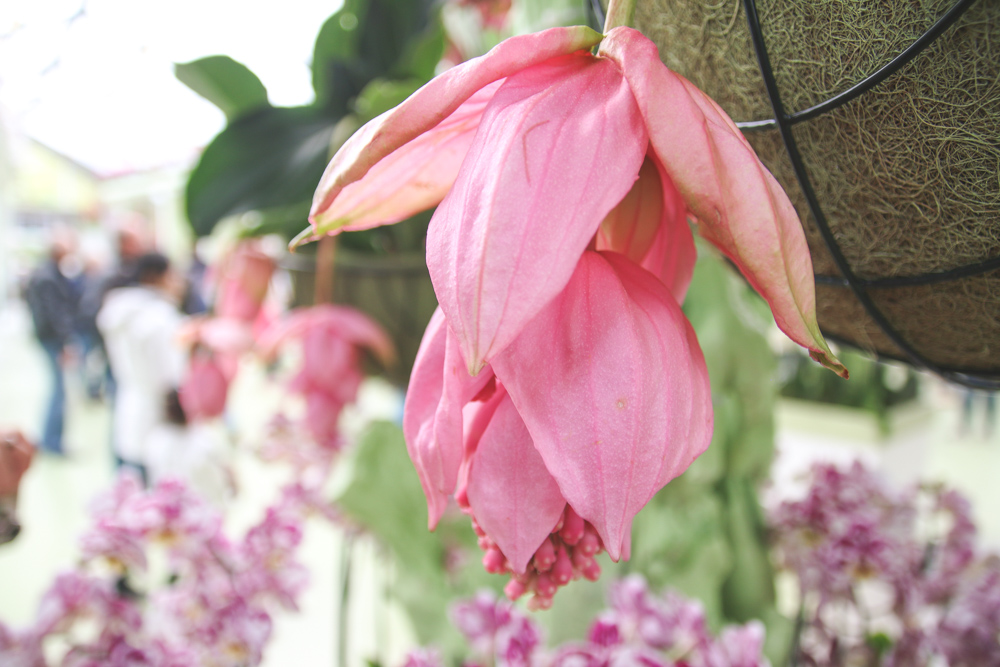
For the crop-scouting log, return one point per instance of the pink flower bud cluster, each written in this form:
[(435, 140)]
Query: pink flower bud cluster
[(640, 629), (566, 555), (214, 607), (903, 565)]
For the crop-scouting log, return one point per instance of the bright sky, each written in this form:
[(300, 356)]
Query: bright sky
[(94, 79)]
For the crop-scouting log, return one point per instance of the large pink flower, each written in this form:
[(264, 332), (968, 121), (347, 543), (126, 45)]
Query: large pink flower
[(559, 369)]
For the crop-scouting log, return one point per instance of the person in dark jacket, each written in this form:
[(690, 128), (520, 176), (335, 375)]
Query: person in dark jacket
[(52, 301)]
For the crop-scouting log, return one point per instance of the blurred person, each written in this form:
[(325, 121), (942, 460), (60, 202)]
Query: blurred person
[(139, 324), (53, 301), (93, 361), (131, 243), (189, 451), (15, 457)]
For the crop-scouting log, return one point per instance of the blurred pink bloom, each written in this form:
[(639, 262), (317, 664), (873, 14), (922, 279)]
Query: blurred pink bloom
[(332, 339), (423, 657), (560, 369), (497, 631), (243, 284), (21, 648), (203, 394)]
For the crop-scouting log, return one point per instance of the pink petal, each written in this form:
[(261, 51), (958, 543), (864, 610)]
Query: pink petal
[(413, 178), (432, 416), (559, 146), (613, 388), (433, 103), (649, 226), (512, 495), (203, 393), (346, 323), (739, 205), (356, 328)]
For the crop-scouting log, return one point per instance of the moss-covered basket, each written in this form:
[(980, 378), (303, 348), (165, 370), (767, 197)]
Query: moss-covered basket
[(907, 175)]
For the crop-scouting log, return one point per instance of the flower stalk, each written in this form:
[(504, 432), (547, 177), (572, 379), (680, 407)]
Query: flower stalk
[(620, 13)]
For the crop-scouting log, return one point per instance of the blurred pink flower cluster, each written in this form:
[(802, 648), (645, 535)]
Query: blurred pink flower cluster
[(892, 570), (332, 341), (639, 629), (218, 341), (211, 606)]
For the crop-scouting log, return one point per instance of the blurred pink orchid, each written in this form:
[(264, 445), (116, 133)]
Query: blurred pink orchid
[(559, 369), (331, 366)]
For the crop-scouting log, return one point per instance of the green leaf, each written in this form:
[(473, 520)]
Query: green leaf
[(334, 79), (380, 95), (384, 495), (422, 53), (749, 590), (271, 158), (380, 491), (367, 39), (225, 83)]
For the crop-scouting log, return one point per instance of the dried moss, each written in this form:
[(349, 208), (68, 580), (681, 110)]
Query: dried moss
[(908, 175)]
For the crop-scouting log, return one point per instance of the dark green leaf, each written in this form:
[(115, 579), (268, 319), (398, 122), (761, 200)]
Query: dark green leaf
[(422, 54), (380, 95), (271, 158), (225, 83), (337, 75)]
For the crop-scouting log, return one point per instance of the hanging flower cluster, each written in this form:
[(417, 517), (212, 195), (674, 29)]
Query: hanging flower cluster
[(901, 567), (639, 628), (559, 371), (213, 607), (217, 342), (332, 340)]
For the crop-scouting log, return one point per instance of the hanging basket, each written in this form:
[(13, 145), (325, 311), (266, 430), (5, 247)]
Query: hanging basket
[(394, 290), (882, 121)]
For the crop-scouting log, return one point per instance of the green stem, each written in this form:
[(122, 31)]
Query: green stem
[(620, 13)]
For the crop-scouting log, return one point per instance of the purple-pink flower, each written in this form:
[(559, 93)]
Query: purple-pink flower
[(640, 629)]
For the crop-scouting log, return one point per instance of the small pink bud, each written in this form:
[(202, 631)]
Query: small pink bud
[(590, 543), (515, 589), (540, 602), (593, 571), (544, 586), (581, 561), (494, 561), (573, 527), (545, 556), (562, 571)]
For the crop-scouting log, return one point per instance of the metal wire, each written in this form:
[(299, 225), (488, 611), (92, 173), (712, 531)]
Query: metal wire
[(859, 286), (783, 122), (869, 82)]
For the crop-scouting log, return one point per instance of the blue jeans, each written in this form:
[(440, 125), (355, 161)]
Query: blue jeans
[(55, 417)]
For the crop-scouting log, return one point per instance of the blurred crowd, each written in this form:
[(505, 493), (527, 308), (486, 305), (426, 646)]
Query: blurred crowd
[(119, 325)]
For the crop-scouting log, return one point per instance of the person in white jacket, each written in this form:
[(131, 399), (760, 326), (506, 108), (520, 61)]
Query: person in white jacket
[(139, 325)]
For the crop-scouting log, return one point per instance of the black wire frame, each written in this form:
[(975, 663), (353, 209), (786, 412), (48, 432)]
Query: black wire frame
[(784, 121)]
